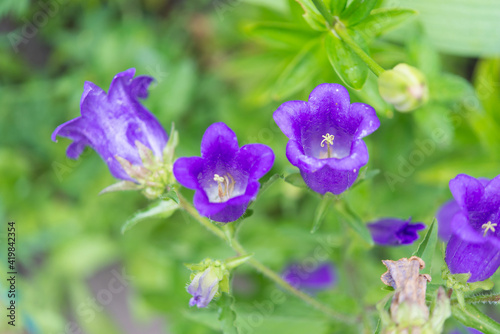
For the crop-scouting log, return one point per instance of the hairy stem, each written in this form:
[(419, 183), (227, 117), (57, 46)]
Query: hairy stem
[(238, 248)]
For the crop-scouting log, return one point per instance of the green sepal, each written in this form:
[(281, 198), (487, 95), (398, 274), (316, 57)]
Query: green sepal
[(160, 209), (234, 262)]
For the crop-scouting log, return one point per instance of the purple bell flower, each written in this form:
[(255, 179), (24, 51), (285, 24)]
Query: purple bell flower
[(394, 232), (325, 137), (446, 213), (112, 123), (225, 177), (321, 277), (474, 246)]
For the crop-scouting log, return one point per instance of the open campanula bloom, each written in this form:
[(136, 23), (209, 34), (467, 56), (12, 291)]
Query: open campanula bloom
[(394, 232), (225, 177), (325, 137), (320, 277), (446, 213), (474, 246), (114, 123)]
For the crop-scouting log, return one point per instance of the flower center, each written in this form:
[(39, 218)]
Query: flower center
[(488, 226), (328, 138), (225, 186)]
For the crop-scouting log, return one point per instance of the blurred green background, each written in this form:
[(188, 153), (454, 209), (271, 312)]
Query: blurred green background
[(233, 61)]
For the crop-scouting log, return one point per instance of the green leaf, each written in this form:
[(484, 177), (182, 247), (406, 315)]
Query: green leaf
[(321, 210), (427, 247), (354, 221), (462, 28), (357, 11), (312, 15), (299, 73), (348, 66), (296, 179), (227, 315), (161, 209), (281, 34), (383, 20), (470, 316), (336, 6)]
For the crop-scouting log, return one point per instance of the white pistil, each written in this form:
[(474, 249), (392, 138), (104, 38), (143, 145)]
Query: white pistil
[(328, 138), (488, 226), (225, 185)]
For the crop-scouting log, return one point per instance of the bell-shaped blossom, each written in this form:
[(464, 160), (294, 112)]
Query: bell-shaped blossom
[(225, 177), (474, 247), (325, 137), (318, 277), (446, 213), (115, 124), (394, 232)]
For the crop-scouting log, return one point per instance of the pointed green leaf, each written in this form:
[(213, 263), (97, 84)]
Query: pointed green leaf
[(383, 20), (282, 34), (161, 209), (321, 210), (336, 6), (470, 316), (427, 247), (348, 66), (227, 315), (357, 11), (296, 179), (354, 221), (312, 15), (299, 72)]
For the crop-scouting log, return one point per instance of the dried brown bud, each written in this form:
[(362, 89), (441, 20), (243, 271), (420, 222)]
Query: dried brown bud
[(409, 312)]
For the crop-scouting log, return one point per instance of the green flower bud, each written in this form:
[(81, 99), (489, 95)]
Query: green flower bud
[(405, 87)]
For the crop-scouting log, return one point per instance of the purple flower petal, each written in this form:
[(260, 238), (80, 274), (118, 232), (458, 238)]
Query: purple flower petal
[(394, 232), (327, 165), (112, 123), (319, 277), (474, 246), (237, 170)]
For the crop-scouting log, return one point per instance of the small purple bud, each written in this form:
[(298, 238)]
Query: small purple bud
[(319, 277), (394, 232)]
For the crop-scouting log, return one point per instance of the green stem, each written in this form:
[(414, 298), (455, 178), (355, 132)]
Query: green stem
[(488, 298), (341, 31), (238, 248), (320, 5)]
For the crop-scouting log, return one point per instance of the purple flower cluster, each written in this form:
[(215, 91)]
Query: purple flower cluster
[(470, 224)]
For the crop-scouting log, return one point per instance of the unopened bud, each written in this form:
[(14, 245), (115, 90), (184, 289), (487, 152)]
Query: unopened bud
[(404, 86), (208, 280)]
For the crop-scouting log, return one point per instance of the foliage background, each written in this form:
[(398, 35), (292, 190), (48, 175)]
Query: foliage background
[(214, 62)]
